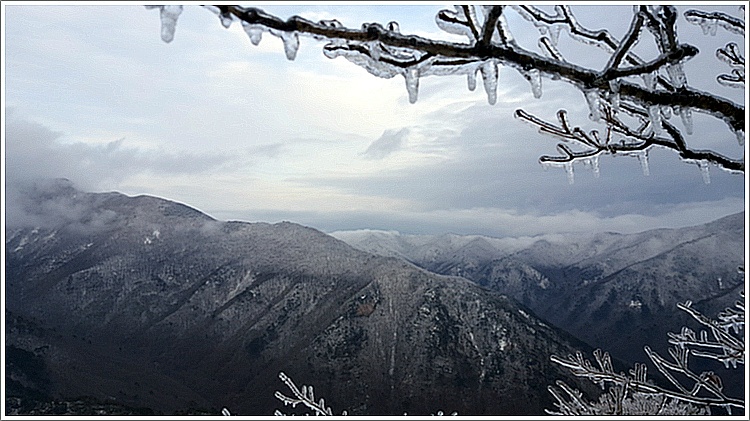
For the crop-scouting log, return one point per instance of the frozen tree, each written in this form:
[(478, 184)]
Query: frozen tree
[(304, 396), (690, 393), (631, 98)]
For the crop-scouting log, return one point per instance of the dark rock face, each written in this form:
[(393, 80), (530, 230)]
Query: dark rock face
[(151, 304)]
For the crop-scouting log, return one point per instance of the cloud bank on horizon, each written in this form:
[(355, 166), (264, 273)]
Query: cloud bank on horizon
[(92, 94)]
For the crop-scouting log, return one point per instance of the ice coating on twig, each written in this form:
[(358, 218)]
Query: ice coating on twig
[(489, 76), (376, 68), (169, 15), (735, 80), (454, 22)]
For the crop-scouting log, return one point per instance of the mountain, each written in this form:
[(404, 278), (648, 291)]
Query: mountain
[(145, 303), (616, 292)]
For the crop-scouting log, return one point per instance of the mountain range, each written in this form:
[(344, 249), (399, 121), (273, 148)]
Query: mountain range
[(617, 292), (150, 306)]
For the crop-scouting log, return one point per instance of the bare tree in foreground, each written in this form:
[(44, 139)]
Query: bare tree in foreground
[(631, 98)]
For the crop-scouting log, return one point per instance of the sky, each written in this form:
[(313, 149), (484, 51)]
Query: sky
[(92, 94)]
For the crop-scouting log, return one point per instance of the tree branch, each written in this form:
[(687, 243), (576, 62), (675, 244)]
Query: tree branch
[(732, 114)]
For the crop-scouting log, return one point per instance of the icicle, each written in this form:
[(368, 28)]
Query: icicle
[(569, 172), (226, 19), (643, 159), (592, 99), (703, 165), (677, 75), (169, 15), (375, 50), (472, 79), (649, 79), (411, 76), (291, 44), (666, 112), (687, 119), (740, 137), (595, 165), (554, 34), (535, 79), (614, 97), (255, 32), (654, 117), (708, 26), (489, 75)]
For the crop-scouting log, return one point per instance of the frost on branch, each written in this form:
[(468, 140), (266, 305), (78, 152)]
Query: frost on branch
[(633, 393), (305, 396), (628, 96)]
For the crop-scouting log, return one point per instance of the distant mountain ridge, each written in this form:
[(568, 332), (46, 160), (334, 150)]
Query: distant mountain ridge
[(614, 291), (151, 304)]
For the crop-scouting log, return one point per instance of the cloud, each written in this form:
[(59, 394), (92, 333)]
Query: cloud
[(390, 142), (497, 222), (53, 203), (35, 152)]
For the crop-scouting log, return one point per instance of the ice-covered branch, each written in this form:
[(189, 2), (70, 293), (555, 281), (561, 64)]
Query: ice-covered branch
[(731, 347), (452, 54), (631, 140), (385, 52), (306, 397), (709, 21), (703, 389)]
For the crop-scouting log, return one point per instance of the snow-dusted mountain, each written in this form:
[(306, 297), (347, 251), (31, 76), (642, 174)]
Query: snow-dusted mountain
[(148, 303), (432, 248), (615, 291)]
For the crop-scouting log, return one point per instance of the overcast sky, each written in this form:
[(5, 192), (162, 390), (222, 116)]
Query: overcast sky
[(94, 95)]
